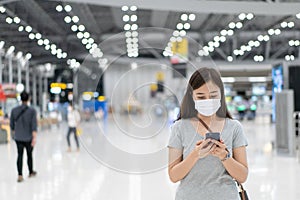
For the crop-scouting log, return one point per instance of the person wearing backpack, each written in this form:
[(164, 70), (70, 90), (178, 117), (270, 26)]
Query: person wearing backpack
[(23, 124)]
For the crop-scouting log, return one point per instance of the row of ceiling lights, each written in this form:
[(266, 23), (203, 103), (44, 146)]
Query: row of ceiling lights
[(263, 38), (218, 39), (130, 28), (34, 35), (81, 34), (180, 32)]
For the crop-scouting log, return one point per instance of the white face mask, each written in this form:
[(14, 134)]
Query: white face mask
[(207, 107)]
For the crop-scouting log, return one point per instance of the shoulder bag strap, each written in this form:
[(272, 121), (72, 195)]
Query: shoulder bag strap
[(21, 113), (204, 124)]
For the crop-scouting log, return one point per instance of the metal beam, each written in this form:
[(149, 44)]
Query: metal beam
[(39, 14), (217, 7), (86, 17), (280, 51)]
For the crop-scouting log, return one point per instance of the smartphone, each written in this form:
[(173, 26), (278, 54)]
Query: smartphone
[(214, 136)]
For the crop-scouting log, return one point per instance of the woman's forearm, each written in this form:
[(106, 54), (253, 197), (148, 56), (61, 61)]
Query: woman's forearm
[(179, 171), (238, 171)]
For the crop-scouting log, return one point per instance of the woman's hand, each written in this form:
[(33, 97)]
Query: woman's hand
[(203, 148), (220, 149)]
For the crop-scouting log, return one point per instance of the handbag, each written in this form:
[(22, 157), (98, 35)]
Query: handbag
[(242, 192)]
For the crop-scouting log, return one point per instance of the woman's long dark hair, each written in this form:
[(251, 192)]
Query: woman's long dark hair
[(199, 78)]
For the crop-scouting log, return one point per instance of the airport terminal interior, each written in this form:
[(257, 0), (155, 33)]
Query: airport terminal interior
[(125, 66)]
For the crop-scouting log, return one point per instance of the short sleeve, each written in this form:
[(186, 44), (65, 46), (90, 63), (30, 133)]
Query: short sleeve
[(175, 140), (239, 138)]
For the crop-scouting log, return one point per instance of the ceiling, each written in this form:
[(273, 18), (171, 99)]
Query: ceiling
[(104, 23)]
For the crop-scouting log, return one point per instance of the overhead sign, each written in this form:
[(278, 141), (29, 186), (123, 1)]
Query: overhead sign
[(180, 51)]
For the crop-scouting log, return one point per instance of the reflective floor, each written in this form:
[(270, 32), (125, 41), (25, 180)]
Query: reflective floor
[(127, 160)]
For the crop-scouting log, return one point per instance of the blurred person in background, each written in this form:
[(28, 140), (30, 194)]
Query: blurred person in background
[(23, 124), (73, 123)]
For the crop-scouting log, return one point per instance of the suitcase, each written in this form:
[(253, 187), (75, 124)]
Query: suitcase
[(3, 136)]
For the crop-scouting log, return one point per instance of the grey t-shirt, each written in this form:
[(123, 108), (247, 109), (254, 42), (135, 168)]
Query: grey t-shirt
[(208, 179)]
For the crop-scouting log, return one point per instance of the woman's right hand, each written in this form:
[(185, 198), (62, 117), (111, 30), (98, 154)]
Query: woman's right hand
[(203, 148)]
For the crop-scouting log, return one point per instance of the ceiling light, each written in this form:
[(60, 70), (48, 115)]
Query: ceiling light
[(291, 43), (67, 19), (297, 43), (230, 32), (68, 8), (9, 20), (223, 32), (28, 56), (184, 17), (192, 17), (271, 31), (64, 55), (231, 25), (236, 52), (79, 35), (298, 15), (81, 28), (217, 38), (179, 26), (250, 16), (19, 55), (38, 36), (127, 34), (266, 38), (179, 39), (31, 36), (260, 38), (21, 28), (256, 43), (46, 41), (222, 39), (124, 8), (2, 43), (75, 19), (10, 50), (84, 41), (91, 40), (133, 18), (287, 57), (173, 39), (277, 31), (176, 33), (291, 24), (134, 27), (40, 42), (182, 33), (284, 24), (47, 47), (86, 35), (187, 26), (134, 33), (228, 79), (88, 46), (243, 48), (74, 28), (257, 79), (248, 48), (2, 9), (211, 48), (133, 8), (17, 20), (127, 27), (53, 51), (251, 43), (125, 18), (242, 16), (239, 25), (216, 44), (59, 8), (53, 46)]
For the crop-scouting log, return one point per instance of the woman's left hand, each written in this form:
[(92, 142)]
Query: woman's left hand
[(220, 150)]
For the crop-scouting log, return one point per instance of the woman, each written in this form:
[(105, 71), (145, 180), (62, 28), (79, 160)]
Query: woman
[(206, 168)]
